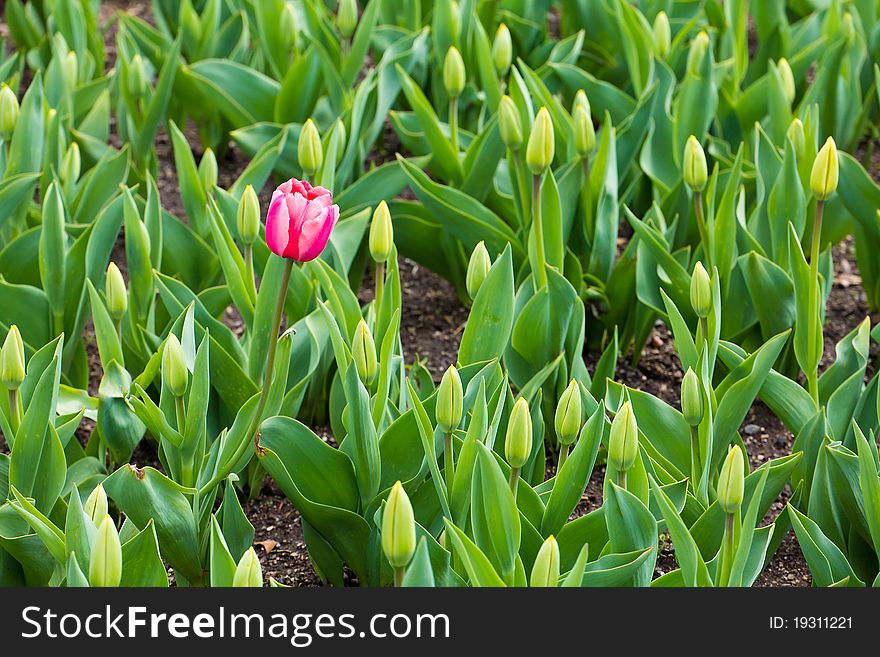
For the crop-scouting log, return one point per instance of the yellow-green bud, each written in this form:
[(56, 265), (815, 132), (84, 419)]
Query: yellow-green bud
[(381, 233), (662, 35), (502, 50), (208, 170), (309, 150), (174, 372), (287, 24), (105, 564), (347, 17), (623, 444), (478, 269), (584, 133), (787, 77), (248, 572), (731, 481), (509, 123), (569, 414), (70, 66), (691, 398), (96, 505), (363, 352), (343, 137), (694, 169), (518, 441), (542, 146), (696, 52), (701, 291), (9, 111), (450, 398), (12, 360), (398, 528), (70, 166), (117, 295), (248, 218), (795, 133), (848, 28), (545, 571), (454, 76), (455, 15), (823, 178), (137, 76)]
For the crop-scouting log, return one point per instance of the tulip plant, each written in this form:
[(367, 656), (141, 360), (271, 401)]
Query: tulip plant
[(576, 181)]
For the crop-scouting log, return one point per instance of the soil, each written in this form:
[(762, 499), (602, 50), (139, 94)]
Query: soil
[(431, 331)]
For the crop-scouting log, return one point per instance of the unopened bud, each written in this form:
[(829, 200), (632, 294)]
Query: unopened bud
[(795, 134), (662, 35), (509, 123), (731, 481), (787, 77), (398, 528), (363, 352), (248, 218), (174, 372), (569, 414), (696, 53), (502, 50), (9, 111), (691, 398), (584, 133), (96, 505), (137, 76), (545, 571), (454, 76), (694, 169), (248, 572), (208, 171), (623, 444), (347, 17), (70, 65), (450, 398), (105, 564), (309, 150), (287, 24), (542, 146), (701, 291), (823, 178), (478, 269), (117, 295), (381, 233), (518, 441), (70, 166), (12, 360)]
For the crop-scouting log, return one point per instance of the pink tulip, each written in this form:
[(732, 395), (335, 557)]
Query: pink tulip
[(300, 220)]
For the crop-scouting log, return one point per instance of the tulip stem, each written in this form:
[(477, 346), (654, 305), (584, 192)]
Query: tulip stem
[(587, 202), (380, 284), (398, 577), (249, 268), (563, 455), (815, 321), (703, 333), (725, 559), (181, 414), (621, 479), (270, 353), (696, 470), (514, 480), (701, 227), (15, 409), (453, 124), (449, 461), (538, 225)]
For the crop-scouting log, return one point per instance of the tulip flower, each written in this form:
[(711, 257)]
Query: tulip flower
[(309, 149), (105, 564), (347, 18), (795, 134), (12, 371), (363, 352), (398, 531), (175, 375), (731, 487), (518, 441), (248, 224), (248, 572), (787, 77), (381, 242), (502, 50), (117, 295), (545, 571), (478, 269), (539, 156), (567, 421), (693, 411), (623, 443), (9, 112), (662, 35), (450, 398), (454, 79)]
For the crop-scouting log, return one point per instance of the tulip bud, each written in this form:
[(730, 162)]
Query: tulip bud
[(105, 565), (848, 28), (70, 66), (309, 149), (381, 233), (347, 17), (795, 133), (662, 35), (174, 372), (70, 166), (137, 76), (287, 24), (584, 133), (787, 77), (509, 123), (545, 571), (398, 528), (542, 146), (208, 170), (248, 218), (96, 505), (823, 179), (363, 352), (518, 441), (455, 16), (454, 76), (697, 51), (340, 151), (450, 398), (694, 170), (117, 295), (478, 269), (248, 573), (9, 112), (701, 291), (691, 398), (623, 444), (731, 481), (568, 414), (502, 50), (12, 360)]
